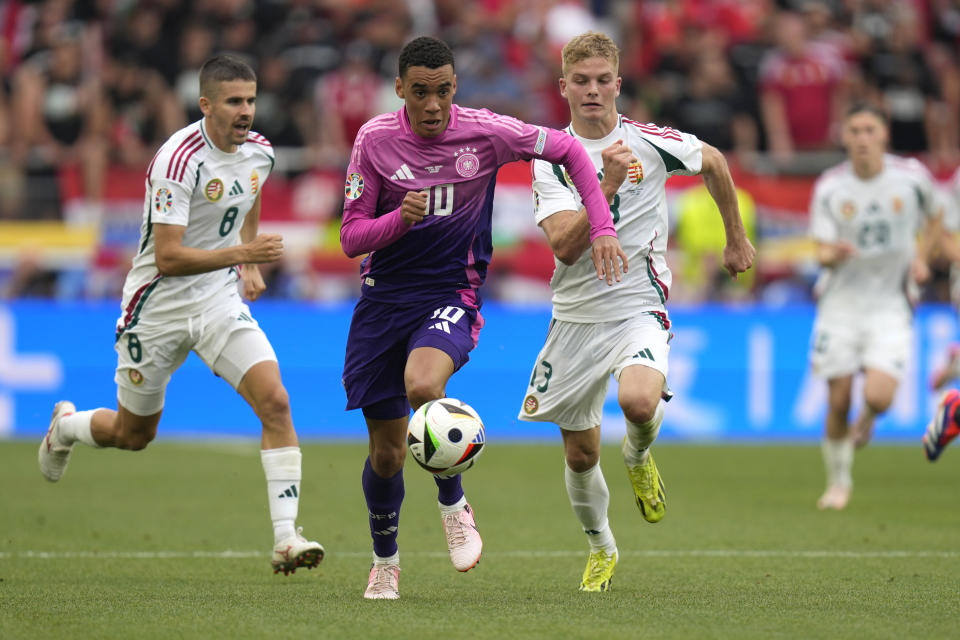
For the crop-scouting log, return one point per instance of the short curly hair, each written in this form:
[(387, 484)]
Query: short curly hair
[(425, 52), (590, 45)]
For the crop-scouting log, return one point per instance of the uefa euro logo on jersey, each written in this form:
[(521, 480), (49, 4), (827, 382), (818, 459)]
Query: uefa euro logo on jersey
[(163, 200), (467, 162), (354, 186), (635, 172)]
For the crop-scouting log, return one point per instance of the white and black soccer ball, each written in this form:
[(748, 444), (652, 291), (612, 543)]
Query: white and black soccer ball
[(445, 436)]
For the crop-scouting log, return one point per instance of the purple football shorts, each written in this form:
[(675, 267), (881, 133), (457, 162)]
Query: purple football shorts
[(381, 337)]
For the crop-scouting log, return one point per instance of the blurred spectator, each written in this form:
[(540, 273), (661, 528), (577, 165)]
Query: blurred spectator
[(344, 100), (283, 116), (196, 45), (143, 112), (60, 119), (802, 95), (902, 84), (711, 106)]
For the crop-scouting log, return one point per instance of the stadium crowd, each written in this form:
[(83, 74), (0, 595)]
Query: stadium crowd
[(98, 85)]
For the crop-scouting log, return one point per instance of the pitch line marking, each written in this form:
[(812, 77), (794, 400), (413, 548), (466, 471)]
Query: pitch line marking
[(683, 553)]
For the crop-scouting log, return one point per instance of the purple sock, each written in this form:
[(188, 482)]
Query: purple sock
[(450, 489), (384, 497)]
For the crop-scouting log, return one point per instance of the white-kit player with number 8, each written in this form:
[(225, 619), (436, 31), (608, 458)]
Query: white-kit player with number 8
[(198, 240)]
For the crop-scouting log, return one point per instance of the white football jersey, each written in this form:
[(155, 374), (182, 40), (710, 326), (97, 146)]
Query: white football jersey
[(639, 214), (880, 217), (192, 183)]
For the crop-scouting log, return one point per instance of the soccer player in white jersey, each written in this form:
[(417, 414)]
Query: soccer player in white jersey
[(199, 239), (597, 331), (865, 217)]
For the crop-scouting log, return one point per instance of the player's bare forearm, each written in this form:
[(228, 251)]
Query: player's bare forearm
[(174, 259), (739, 252), (568, 232)]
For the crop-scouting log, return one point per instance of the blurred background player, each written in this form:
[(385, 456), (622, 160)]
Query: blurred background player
[(419, 193), (624, 331), (200, 220), (864, 217)]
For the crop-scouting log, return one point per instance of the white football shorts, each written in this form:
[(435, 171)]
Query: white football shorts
[(227, 339), (844, 344), (569, 382)]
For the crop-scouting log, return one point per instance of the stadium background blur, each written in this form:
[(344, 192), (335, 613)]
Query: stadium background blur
[(90, 89)]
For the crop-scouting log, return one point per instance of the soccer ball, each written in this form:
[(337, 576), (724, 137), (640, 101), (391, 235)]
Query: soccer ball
[(445, 436)]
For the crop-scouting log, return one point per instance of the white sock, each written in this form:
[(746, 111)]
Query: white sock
[(456, 507), (76, 428), (590, 498), (394, 559), (282, 467), (838, 461), (641, 436)]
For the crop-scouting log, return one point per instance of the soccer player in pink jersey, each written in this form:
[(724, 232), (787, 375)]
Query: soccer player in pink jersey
[(418, 201), (200, 221)]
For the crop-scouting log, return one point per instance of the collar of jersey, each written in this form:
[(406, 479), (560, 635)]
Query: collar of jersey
[(603, 142), (214, 150)]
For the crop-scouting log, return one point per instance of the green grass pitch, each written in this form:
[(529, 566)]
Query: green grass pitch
[(173, 542)]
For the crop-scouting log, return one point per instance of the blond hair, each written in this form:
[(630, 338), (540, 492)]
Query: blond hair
[(590, 45)]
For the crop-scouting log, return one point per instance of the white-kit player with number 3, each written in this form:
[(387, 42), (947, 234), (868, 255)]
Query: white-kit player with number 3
[(597, 331), (199, 240), (865, 217)]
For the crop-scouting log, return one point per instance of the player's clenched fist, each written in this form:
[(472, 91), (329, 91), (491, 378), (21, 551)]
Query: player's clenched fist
[(266, 247), (617, 159), (414, 207)]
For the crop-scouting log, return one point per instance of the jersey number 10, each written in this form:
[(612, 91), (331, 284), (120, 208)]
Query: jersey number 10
[(440, 200)]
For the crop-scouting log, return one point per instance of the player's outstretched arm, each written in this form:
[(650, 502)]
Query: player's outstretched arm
[(738, 254), (174, 259)]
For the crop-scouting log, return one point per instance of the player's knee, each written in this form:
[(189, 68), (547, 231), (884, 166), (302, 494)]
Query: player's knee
[(274, 405), (387, 461), (423, 390), (878, 403), (135, 440), (639, 409), (581, 457)]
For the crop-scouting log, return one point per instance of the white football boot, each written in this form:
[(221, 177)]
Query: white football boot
[(54, 454), (295, 552)]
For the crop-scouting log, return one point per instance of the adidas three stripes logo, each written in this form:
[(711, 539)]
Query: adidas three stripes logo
[(291, 492)]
